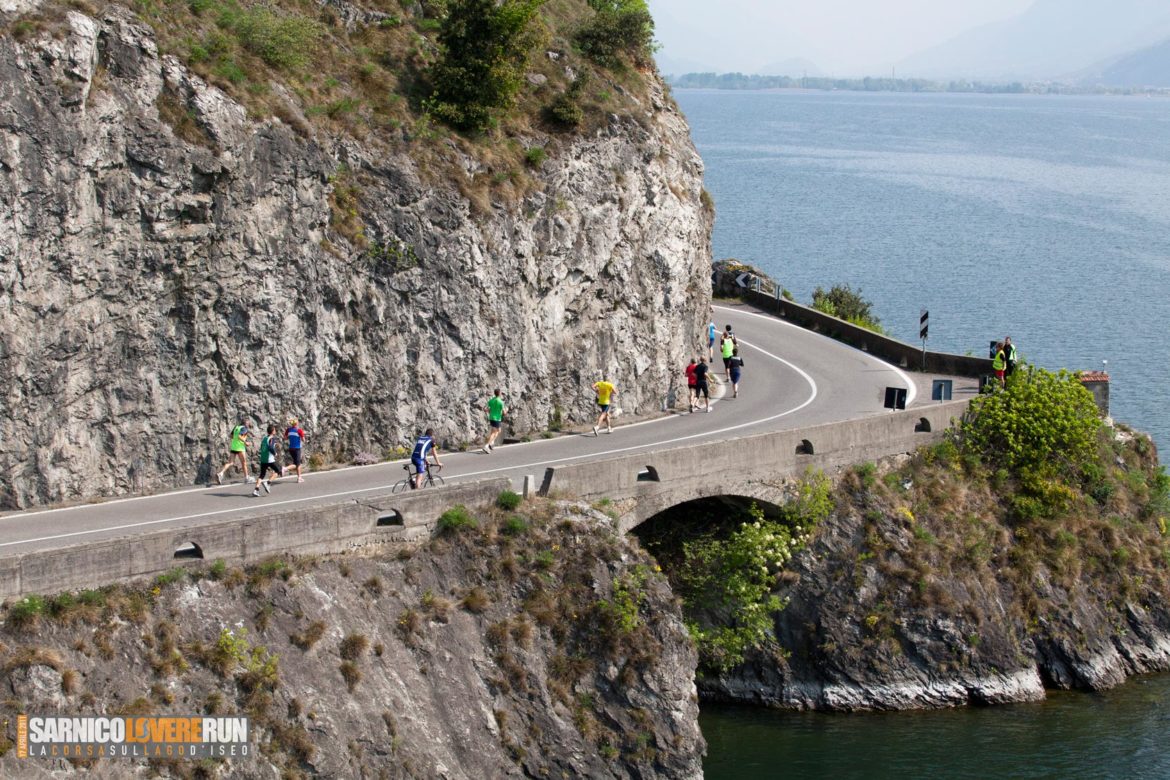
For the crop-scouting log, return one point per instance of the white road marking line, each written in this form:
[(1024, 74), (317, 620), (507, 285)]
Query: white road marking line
[(911, 386)]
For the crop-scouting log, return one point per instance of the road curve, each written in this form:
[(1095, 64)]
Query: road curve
[(792, 378)]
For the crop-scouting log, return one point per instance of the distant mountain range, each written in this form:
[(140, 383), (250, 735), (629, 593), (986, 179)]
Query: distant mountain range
[(1149, 67), (1056, 39)]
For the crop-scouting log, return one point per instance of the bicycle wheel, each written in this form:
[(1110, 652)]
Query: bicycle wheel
[(433, 480), (401, 486)]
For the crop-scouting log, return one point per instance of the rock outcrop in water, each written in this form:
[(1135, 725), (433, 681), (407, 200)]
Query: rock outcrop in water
[(153, 289), (929, 588), (538, 645)]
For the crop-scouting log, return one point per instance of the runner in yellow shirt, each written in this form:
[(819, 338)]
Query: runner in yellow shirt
[(605, 392)]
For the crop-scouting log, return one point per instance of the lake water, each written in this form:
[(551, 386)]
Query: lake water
[(1072, 736), (1043, 218)]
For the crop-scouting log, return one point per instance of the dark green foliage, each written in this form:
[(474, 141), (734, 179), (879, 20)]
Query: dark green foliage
[(485, 47), (620, 27), (508, 500), (455, 519), (566, 111), (514, 526), (845, 303), (535, 156)]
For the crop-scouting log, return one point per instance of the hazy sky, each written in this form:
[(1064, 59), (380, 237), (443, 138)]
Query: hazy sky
[(842, 37)]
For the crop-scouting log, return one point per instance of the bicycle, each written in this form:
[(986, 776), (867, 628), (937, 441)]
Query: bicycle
[(432, 478)]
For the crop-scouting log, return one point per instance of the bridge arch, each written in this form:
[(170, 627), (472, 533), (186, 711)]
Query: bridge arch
[(769, 496)]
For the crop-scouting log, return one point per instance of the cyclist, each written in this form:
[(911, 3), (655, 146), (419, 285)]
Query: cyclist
[(424, 447)]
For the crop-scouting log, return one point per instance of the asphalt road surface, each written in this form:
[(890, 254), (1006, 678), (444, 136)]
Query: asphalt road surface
[(792, 378)]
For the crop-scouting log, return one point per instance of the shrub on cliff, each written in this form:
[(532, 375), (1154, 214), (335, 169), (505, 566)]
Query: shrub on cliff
[(845, 303), (485, 47), (619, 27), (1041, 425), (728, 582)]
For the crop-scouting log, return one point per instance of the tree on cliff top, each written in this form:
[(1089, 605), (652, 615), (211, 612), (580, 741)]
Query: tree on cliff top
[(1041, 424), (485, 48), (618, 27)]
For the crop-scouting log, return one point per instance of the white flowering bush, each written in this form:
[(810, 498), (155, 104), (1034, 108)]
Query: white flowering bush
[(728, 585)]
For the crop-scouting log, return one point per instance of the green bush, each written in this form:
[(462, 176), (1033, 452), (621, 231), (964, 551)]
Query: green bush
[(1042, 424), (619, 27), (845, 303), (282, 40), (25, 613), (514, 526), (455, 519), (565, 111), (484, 49), (508, 500), (535, 157)]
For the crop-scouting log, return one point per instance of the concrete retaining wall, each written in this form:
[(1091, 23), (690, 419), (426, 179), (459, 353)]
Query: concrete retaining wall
[(312, 531), (897, 352), (645, 484)]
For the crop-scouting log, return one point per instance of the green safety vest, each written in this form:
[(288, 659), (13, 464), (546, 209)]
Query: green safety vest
[(238, 439), (999, 363)]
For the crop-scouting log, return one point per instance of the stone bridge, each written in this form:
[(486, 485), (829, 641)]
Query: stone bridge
[(640, 485)]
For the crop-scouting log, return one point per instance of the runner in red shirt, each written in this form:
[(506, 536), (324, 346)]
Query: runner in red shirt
[(692, 384)]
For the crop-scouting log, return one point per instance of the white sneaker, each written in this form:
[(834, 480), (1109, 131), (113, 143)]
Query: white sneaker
[(256, 493), (708, 410), (266, 488), (219, 477), (283, 470), (608, 429), (300, 479), (594, 430)]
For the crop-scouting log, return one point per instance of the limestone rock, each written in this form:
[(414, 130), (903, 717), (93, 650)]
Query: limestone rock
[(153, 289)]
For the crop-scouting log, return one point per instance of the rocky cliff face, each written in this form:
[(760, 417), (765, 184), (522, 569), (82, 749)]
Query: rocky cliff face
[(542, 647), (925, 590), (152, 289)]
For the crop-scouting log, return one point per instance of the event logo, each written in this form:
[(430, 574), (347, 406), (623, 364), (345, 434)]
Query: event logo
[(131, 737)]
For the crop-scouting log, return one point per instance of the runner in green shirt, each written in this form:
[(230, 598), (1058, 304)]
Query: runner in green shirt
[(238, 451), (495, 413)]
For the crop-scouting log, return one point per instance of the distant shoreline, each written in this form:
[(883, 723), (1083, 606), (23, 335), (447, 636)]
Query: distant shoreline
[(732, 82)]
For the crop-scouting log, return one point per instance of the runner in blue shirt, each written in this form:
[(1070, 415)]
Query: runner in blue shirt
[(294, 439), (424, 447), (710, 339)]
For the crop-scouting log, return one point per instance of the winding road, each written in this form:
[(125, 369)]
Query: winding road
[(792, 378)]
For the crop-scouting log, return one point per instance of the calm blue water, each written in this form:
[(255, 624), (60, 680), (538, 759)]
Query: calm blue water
[(1073, 736), (1043, 218)]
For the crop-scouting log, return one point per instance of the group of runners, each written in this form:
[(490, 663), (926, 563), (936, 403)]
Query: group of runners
[(293, 442), (698, 372), (426, 450)]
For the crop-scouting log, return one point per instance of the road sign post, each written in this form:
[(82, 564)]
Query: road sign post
[(923, 332)]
